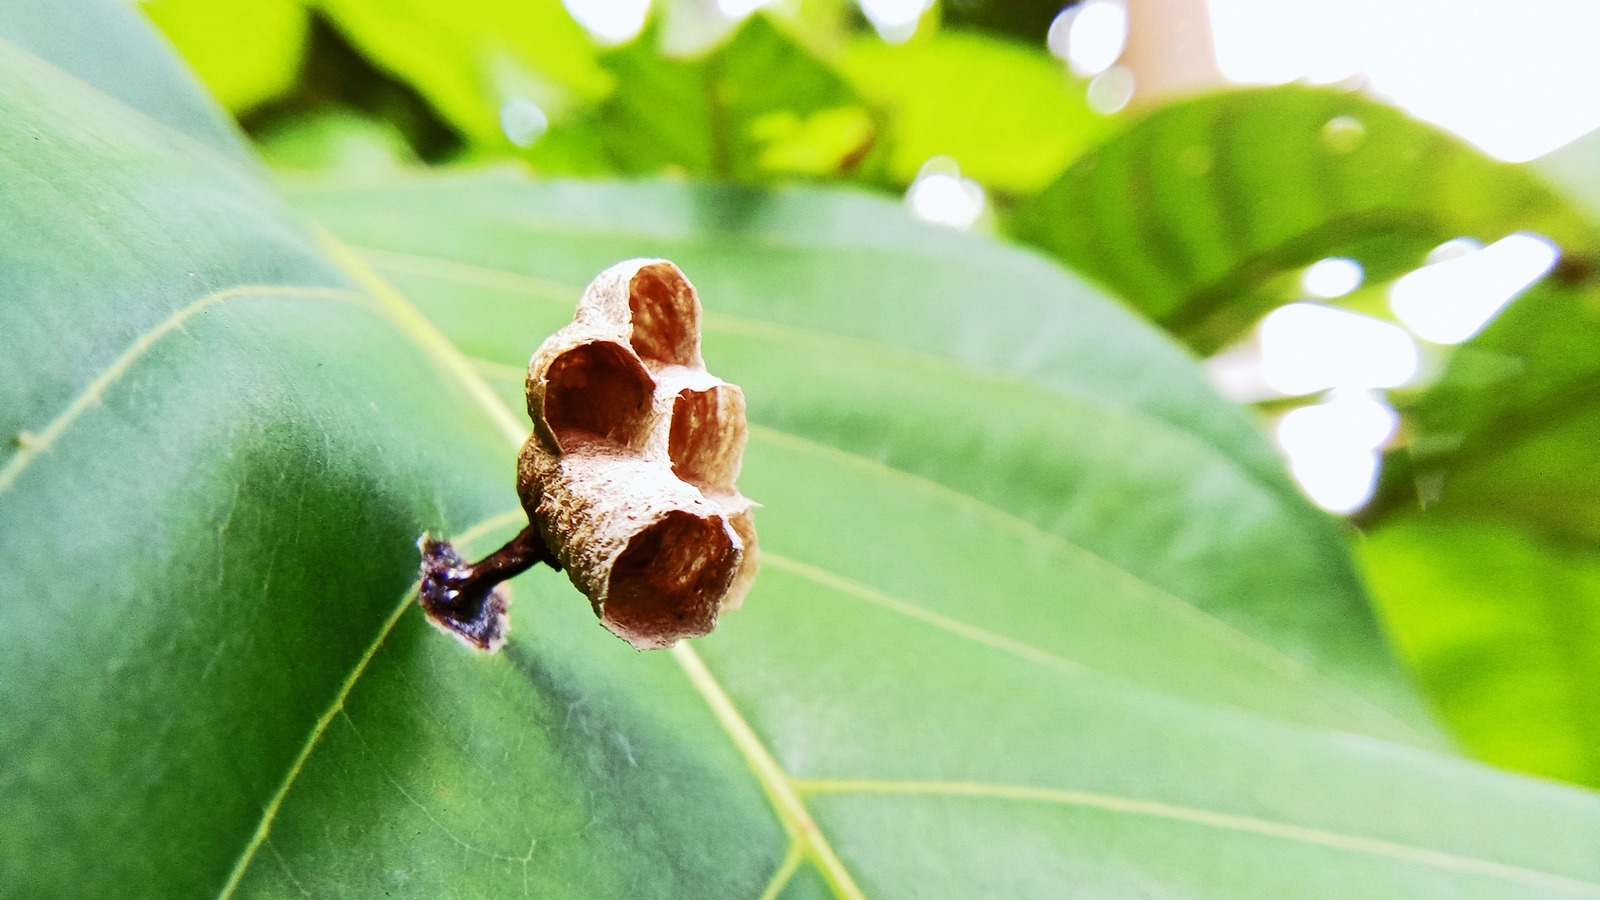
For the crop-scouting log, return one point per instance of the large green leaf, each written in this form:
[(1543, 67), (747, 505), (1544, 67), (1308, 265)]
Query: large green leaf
[(1008, 113), (1199, 216), (1193, 212), (245, 52), (945, 682), (137, 68), (1495, 587)]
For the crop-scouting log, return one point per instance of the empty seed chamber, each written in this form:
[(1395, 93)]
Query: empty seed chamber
[(630, 472)]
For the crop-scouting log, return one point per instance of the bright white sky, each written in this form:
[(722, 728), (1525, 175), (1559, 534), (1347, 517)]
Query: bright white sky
[(1516, 77)]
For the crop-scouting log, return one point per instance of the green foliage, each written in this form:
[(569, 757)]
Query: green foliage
[(1194, 211), (1213, 205), (246, 53), (756, 106), (1009, 114), (1501, 462), (1038, 608), (1500, 622), (770, 99), (467, 57)]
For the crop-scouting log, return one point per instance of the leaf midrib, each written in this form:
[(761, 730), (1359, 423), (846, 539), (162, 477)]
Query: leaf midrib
[(41, 441), (784, 791)]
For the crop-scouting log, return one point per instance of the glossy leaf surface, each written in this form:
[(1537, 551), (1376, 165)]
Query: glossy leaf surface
[(818, 661), (1038, 609)]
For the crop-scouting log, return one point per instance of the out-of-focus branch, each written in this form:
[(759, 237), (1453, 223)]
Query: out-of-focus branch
[(1170, 50)]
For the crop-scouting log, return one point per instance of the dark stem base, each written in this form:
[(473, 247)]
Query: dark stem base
[(469, 599)]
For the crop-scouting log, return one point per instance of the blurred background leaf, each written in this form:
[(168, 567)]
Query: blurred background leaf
[(755, 107), (1205, 214), (1010, 115), (246, 53), (1196, 212)]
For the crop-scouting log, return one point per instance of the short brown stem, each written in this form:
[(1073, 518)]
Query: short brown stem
[(467, 599)]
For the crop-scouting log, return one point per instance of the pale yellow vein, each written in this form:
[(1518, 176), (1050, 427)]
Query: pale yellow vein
[(467, 273), (786, 869), (939, 620), (1257, 648), (774, 781), (1263, 651), (1333, 840), (432, 341), (270, 812), (37, 443), (515, 282)]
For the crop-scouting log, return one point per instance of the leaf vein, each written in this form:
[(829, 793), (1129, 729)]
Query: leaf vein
[(1439, 859), (776, 783), (43, 440), (958, 627), (270, 812)]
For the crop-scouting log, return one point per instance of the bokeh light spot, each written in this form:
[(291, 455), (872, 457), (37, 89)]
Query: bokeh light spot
[(1331, 277), (523, 121), (1343, 134), (610, 21), (1308, 347), (1449, 301), (1333, 447), (1111, 90), (1090, 36), (941, 196), (895, 20)]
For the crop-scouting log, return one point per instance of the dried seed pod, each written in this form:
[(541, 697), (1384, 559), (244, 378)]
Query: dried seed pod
[(630, 472)]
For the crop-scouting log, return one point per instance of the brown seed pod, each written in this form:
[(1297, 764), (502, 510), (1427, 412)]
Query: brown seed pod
[(629, 475)]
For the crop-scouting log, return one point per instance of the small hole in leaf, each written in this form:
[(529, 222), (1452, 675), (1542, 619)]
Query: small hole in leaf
[(597, 391), (669, 581), (707, 439), (666, 322)]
